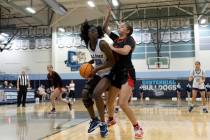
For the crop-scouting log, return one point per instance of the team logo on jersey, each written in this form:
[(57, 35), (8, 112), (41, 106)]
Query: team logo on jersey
[(97, 56)]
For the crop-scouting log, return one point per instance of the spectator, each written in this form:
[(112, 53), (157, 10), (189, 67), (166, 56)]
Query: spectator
[(41, 92), (72, 90)]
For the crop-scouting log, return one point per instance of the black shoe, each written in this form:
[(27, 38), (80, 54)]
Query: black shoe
[(190, 108), (205, 110), (69, 104), (52, 111)]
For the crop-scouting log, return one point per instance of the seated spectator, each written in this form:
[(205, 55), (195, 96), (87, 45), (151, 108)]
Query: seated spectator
[(41, 92), (10, 85), (6, 84)]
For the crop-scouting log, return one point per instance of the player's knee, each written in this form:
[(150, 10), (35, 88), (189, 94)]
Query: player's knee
[(122, 104), (96, 94), (52, 97), (87, 101)]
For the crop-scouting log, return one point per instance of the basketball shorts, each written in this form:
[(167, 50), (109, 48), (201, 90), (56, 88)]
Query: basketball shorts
[(178, 90), (198, 87), (119, 77)]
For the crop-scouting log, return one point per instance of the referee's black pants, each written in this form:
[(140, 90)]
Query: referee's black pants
[(22, 95)]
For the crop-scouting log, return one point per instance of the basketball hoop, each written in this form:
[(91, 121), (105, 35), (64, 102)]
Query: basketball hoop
[(158, 62)]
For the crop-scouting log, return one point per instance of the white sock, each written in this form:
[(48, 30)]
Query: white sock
[(204, 107)]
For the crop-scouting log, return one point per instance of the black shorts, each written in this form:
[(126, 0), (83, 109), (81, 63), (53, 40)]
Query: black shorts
[(119, 77), (178, 90), (188, 90), (199, 89)]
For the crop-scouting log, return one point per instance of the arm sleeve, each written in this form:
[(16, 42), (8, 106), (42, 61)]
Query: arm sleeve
[(130, 42), (113, 36)]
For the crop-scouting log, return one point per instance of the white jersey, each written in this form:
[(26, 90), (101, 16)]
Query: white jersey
[(99, 58), (72, 86), (197, 77)]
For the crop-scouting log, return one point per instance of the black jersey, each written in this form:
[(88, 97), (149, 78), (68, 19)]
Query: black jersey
[(54, 80), (123, 60)]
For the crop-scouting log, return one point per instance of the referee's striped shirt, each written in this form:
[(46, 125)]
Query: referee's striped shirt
[(23, 80)]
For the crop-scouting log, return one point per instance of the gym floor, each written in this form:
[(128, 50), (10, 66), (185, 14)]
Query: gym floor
[(161, 120)]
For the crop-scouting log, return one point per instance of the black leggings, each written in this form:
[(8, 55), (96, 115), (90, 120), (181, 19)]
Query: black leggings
[(72, 94), (87, 92)]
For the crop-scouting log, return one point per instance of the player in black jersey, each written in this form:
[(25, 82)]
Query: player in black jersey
[(123, 73), (55, 82)]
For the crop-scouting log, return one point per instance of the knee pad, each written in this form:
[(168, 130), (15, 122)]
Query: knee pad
[(87, 100)]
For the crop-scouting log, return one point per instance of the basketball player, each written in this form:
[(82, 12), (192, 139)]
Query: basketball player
[(55, 82), (178, 91), (198, 78), (188, 89), (103, 58), (141, 92), (123, 72), (208, 91)]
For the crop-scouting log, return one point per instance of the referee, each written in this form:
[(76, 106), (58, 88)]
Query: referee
[(23, 83)]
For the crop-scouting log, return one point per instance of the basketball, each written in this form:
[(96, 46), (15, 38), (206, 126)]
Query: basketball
[(85, 70)]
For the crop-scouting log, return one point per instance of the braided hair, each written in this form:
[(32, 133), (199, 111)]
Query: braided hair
[(85, 29)]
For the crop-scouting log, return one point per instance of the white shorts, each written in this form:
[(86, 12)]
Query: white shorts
[(197, 86)]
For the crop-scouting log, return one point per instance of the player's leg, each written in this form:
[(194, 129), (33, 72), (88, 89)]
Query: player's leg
[(124, 95), (203, 99), (178, 94), (54, 95), (208, 95), (101, 88), (87, 94), (188, 94), (142, 96), (194, 95), (64, 99), (113, 93)]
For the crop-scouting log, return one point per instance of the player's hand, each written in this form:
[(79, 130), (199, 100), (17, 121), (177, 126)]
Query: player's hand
[(200, 82), (112, 47), (109, 8), (93, 73), (91, 61)]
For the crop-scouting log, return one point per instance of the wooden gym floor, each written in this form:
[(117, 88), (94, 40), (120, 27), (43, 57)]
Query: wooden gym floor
[(161, 120)]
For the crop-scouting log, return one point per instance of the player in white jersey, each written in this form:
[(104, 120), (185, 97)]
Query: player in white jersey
[(103, 59), (198, 77)]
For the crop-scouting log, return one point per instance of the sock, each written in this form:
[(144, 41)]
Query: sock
[(192, 104), (204, 107), (111, 118)]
